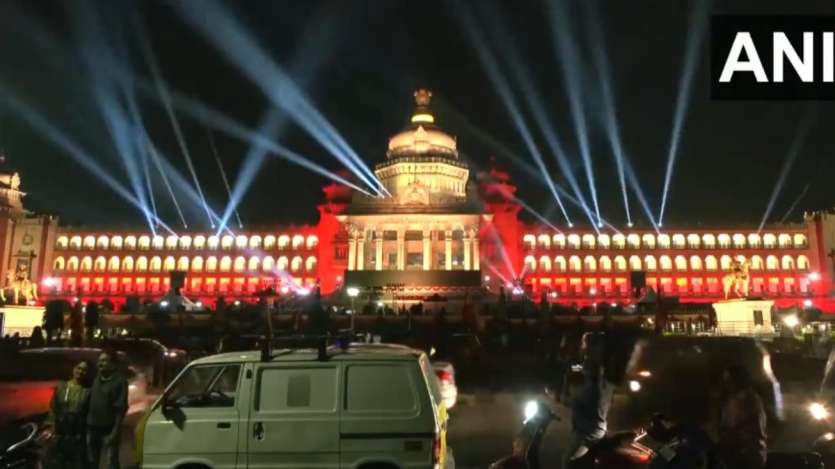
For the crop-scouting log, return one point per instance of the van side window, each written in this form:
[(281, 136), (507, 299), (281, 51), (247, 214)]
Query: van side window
[(380, 388), (206, 386), (297, 390)]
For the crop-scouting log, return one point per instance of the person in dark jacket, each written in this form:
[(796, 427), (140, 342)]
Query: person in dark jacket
[(67, 417), (590, 408), (742, 425), (108, 405)]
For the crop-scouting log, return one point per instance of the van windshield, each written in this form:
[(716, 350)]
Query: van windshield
[(206, 386)]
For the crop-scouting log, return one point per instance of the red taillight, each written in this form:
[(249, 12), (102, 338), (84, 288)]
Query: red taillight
[(444, 375)]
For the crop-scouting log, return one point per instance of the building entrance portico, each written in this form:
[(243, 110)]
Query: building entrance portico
[(413, 242)]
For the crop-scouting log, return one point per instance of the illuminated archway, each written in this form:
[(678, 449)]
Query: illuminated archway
[(802, 262), (771, 263), (182, 264), (695, 263), (72, 264), (254, 264), (240, 264), (574, 264), (756, 262), (530, 264), (100, 265), (650, 263), (680, 263), (62, 242), (605, 264), (296, 264), (620, 263), (635, 263), (298, 241), (142, 264), (787, 263), (59, 263), (545, 263), (711, 264), (127, 264), (589, 264), (725, 262), (197, 264), (665, 263), (529, 241), (169, 264), (113, 264), (310, 264), (268, 264), (211, 264), (225, 264), (559, 264)]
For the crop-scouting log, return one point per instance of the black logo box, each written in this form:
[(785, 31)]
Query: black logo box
[(743, 85)]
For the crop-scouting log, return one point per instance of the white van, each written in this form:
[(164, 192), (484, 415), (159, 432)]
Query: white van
[(370, 406)]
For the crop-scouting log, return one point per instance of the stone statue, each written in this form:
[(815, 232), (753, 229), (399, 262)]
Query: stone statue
[(19, 284), (738, 278)]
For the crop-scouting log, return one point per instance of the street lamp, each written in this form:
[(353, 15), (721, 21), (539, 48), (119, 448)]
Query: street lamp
[(353, 292)]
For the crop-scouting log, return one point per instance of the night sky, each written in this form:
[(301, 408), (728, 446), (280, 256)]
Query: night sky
[(360, 61)]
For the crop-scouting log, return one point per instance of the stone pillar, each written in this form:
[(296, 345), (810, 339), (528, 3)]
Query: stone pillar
[(352, 251), (448, 249), (361, 252), (476, 254), (427, 249), (401, 250), (467, 248), (378, 254)]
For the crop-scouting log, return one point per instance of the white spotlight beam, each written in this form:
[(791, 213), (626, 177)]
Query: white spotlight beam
[(570, 65), (218, 26), (488, 60), (694, 41)]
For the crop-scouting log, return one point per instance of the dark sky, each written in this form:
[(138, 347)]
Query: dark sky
[(359, 61)]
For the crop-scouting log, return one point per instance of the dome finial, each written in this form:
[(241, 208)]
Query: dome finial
[(422, 97)]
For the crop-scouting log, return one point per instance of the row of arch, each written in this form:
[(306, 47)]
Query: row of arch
[(666, 241), (186, 242), (184, 263), (664, 263)]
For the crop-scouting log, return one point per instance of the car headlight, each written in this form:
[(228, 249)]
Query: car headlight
[(818, 411), (531, 409)]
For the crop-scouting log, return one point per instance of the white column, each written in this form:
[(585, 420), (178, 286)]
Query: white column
[(361, 252), (476, 254), (352, 251), (448, 249), (427, 249), (401, 250), (467, 248), (378, 255)]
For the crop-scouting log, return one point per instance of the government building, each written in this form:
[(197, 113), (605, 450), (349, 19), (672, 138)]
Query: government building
[(440, 232)]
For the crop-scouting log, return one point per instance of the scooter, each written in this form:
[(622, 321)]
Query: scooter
[(621, 450), (20, 448)]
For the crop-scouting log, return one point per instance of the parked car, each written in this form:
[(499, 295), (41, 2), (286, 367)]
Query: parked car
[(29, 377), (365, 406), (446, 380), (159, 363)]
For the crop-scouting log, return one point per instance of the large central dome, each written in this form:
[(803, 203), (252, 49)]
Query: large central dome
[(422, 166), (422, 136)]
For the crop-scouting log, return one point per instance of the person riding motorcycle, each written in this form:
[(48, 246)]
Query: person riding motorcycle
[(590, 407)]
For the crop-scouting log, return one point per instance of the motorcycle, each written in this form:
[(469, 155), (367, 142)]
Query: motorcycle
[(679, 447), (620, 450), (20, 449)]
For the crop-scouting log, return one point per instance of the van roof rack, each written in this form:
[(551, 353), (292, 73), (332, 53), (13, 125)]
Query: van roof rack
[(322, 343)]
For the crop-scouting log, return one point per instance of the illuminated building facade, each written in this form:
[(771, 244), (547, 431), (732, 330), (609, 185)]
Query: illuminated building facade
[(442, 230)]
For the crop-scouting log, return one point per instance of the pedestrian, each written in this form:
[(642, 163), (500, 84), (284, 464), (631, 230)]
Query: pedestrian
[(590, 409), (108, 405), (742, 423), (36, 340), (67, 417)]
